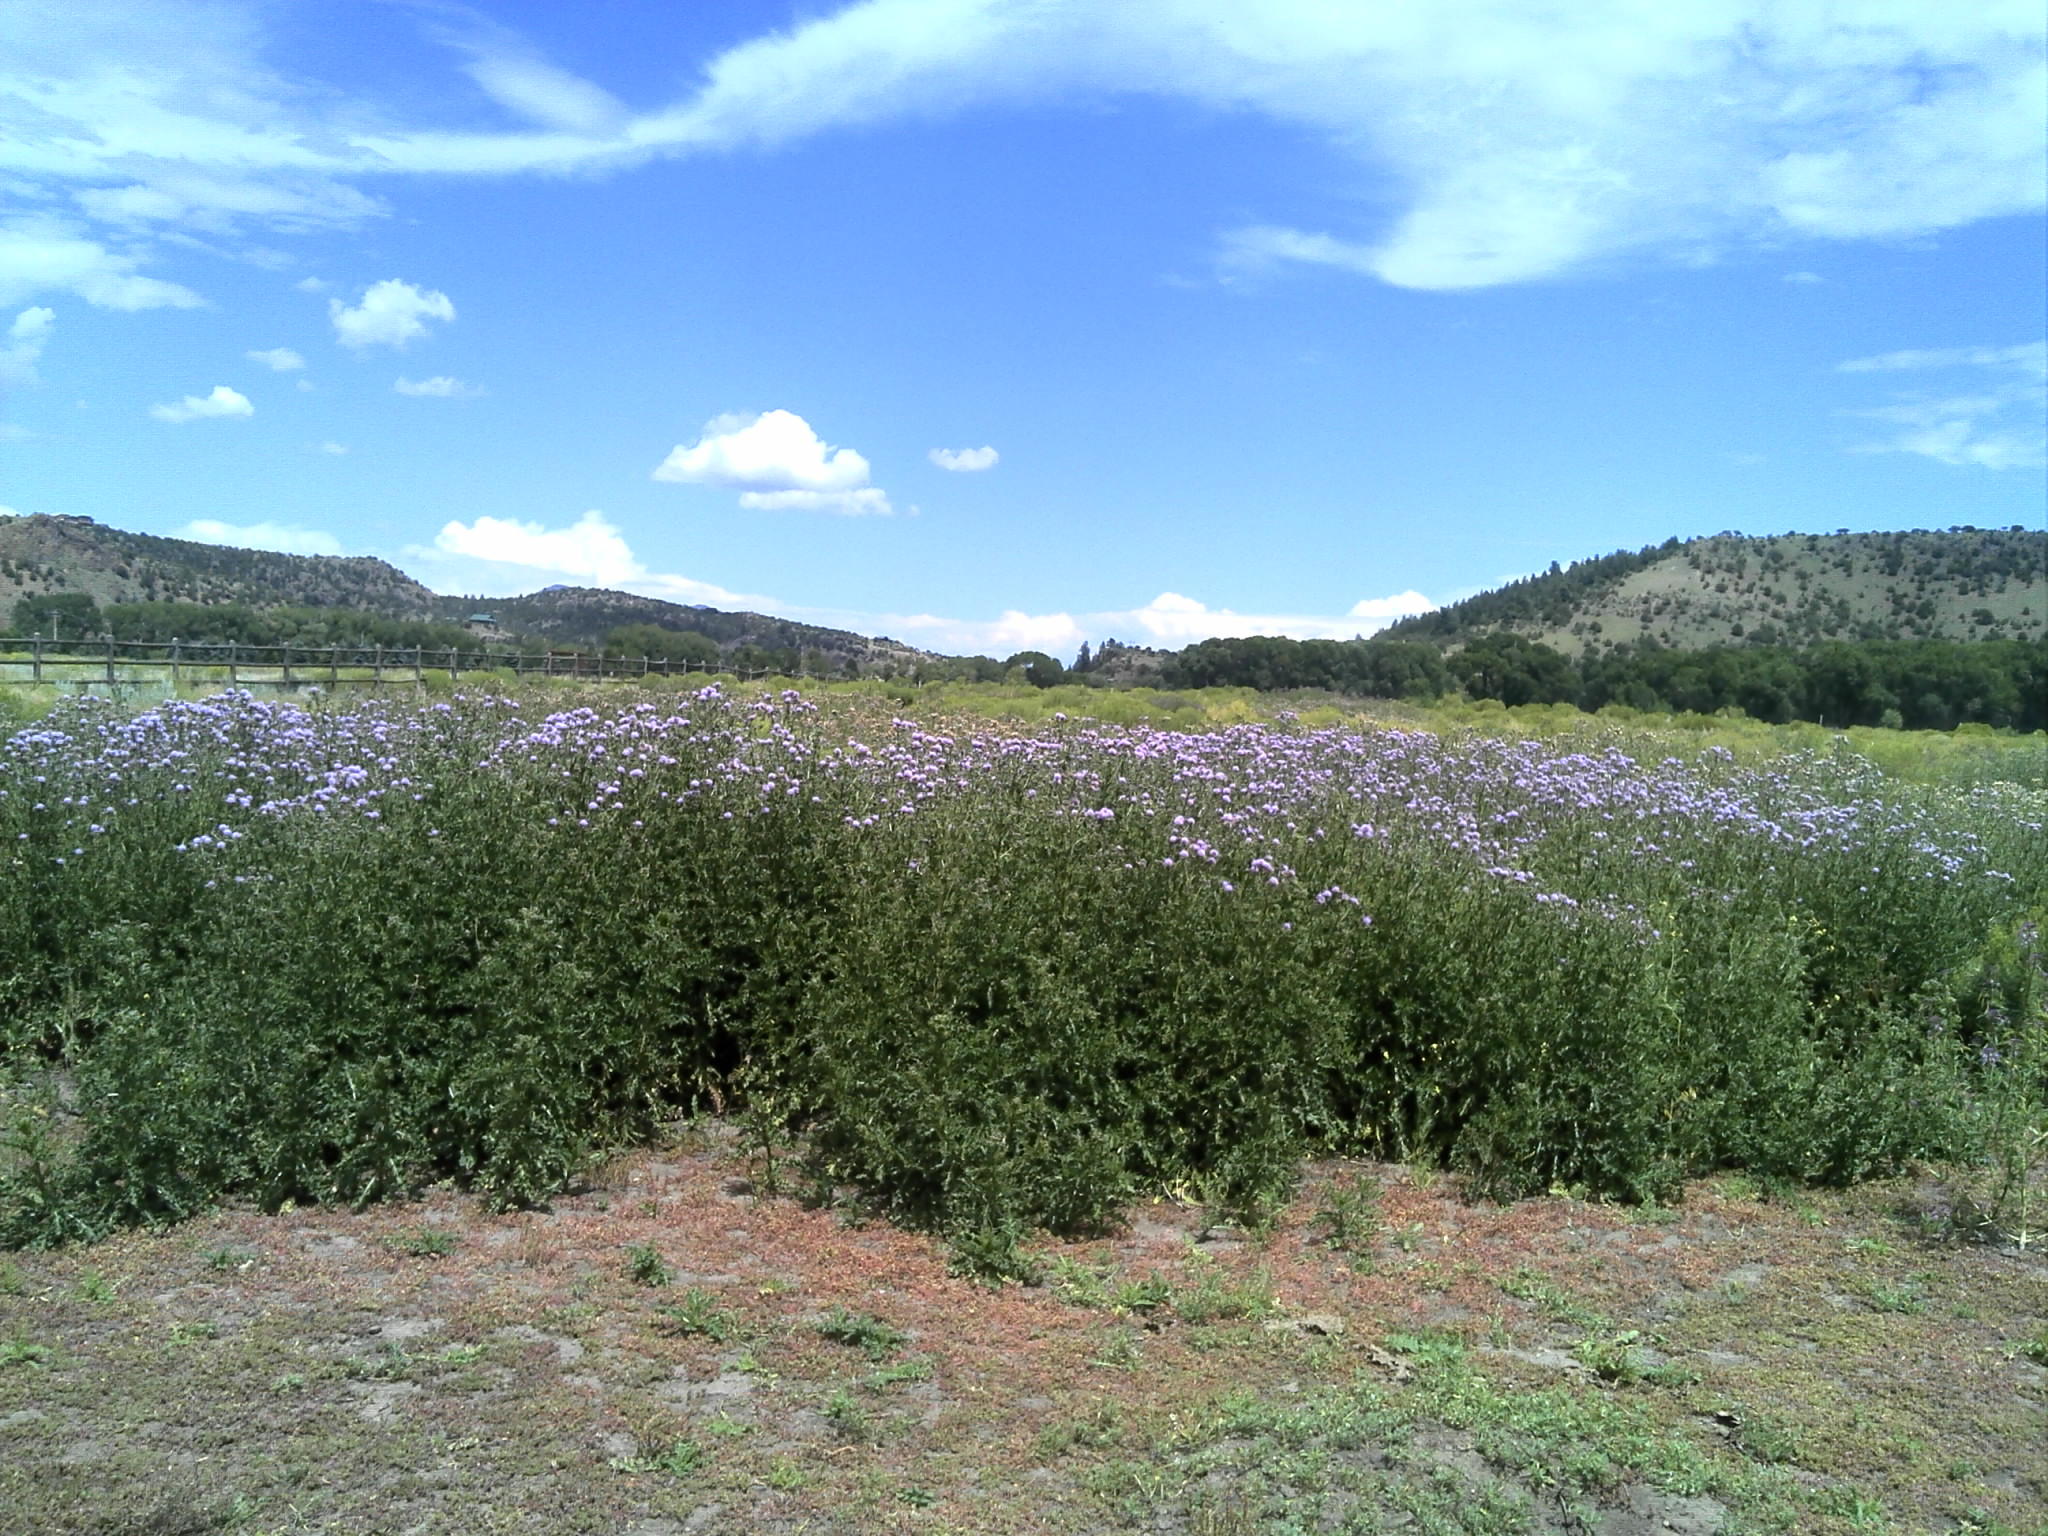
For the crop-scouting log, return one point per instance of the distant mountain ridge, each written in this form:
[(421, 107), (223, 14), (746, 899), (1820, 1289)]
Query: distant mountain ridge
[(1785, 589), (42, 555)]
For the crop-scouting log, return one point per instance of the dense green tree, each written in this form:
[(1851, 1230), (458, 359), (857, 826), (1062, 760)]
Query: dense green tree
[(676, 646), (72, 614), (1515, 670), (1040, 670)]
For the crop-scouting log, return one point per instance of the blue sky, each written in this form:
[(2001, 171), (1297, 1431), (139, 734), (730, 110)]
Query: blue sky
[(995, 324)]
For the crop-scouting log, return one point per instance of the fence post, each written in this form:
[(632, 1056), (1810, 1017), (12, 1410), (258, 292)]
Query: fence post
[(110, 663), (36, 657), (451, 664), (333, 666), (377, 669), (285, 666), (419, 671), (234, 679), (174, 664)]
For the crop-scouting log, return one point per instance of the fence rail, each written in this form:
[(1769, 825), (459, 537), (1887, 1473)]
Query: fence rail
[(85, 662)]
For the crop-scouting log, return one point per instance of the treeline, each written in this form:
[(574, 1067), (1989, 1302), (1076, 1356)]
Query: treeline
[(1910, 684), (1552, 598), (75, 616)]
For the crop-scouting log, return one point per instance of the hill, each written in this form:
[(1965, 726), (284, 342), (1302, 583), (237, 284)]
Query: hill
[(81, 562), (1788, 589), (41, 555)]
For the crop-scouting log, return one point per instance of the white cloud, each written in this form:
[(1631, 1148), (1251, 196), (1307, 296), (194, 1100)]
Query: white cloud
[(501, 556), (1512, 142), (440, 387), (591, 549), (1504, 142), (277, 359), (222, 402), (779, 464), (965, 461), (333, 448), (23, 348), (41, 255), (774, 449), (218, 205), (2029, 357), (867, 501), (1995, 422), (390, 314), (1804, 277), (276, 537), (310, 285)]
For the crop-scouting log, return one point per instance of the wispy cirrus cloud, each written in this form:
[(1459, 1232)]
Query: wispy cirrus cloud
[(1507, 143), (1994, 420), (27, 334)]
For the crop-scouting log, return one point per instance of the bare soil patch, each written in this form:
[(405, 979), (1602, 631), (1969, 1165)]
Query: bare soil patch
[(672, 1351)]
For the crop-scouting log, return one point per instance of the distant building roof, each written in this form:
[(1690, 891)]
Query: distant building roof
[(481, 618)]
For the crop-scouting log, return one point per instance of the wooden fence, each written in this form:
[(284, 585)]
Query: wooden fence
[(110, 662)]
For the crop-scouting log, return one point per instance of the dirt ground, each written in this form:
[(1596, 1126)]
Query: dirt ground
[(675, 1350)]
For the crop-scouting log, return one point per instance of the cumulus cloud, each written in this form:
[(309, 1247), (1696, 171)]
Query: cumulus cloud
[(1168, 621), (277, 359), (1995, 420), (1499, 142), (223, 402), (333, 449), (23, 349), (439, 387), (590, 549), (276, 537), (964, 461), (389, 314), (778, 463), (501, 556)]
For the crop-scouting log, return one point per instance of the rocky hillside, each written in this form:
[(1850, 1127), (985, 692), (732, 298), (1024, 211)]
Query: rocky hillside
[(43, 555), (1788, 589)]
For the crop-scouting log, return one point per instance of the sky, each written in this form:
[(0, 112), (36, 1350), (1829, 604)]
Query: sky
[(996, 325)]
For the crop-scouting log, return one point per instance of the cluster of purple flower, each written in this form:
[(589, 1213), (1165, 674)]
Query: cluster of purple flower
[(1248, 804)]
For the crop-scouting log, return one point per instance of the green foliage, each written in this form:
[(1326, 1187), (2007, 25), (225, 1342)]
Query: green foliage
[(983, 1019), (848, 1418), (870, 1335), (1039, 669), (700, 1316), (21, 1350), (72, 614), (660, 644), (1348, 1218), (681, 1459), (992, 1255), (424, 1243), (645, 1265)]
